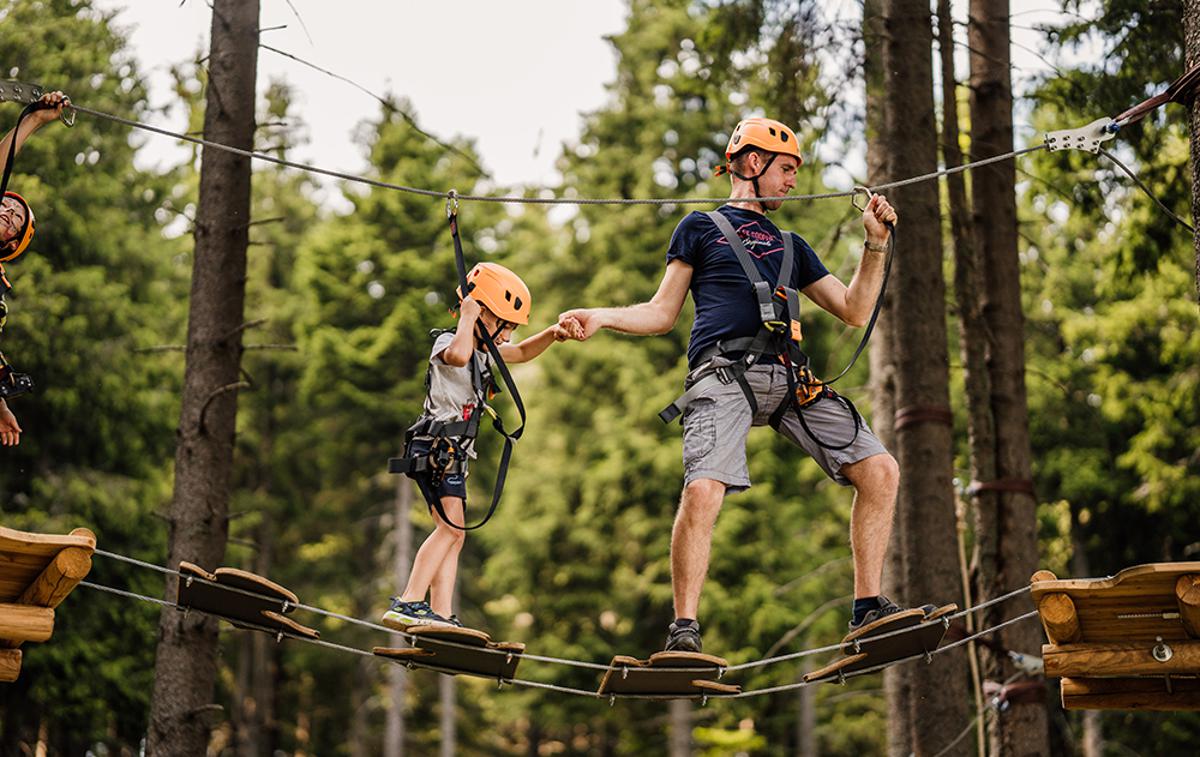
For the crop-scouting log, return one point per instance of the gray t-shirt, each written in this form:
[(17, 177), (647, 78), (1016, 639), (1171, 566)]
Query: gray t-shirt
[(451, 396)]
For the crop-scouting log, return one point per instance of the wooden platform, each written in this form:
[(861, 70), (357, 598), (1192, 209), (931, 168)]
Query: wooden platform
[(862, 649), (666, 675), (1130, 642), (37, 572), (457, 651), (247, 600)]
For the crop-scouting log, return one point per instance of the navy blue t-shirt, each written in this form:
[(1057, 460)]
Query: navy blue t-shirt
[(726, 307)]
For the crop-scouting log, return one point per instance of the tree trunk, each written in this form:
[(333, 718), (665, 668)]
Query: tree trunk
[(186, 664), (936, 707), (896, 685), (1191, 56), (968, 290), (1007, 532), (806, 714), (393, 744), (681, 728)]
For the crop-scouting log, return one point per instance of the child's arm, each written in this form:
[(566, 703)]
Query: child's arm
[(528, 349), (458, 352), (31, 123)]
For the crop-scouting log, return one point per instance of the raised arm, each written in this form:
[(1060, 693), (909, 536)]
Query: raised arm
[(31, 123), (657, 316), (853, 304)]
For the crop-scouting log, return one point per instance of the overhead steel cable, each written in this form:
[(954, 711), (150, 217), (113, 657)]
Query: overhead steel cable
[(519, 199)]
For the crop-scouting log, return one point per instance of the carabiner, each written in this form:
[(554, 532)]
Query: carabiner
[(861, 190), (452, 203)]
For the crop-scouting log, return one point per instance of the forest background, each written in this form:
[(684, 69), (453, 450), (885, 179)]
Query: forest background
[(576, 562)]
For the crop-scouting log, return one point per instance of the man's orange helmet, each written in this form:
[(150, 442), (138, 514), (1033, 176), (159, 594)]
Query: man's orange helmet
[(24, 236), (500, 290), (763, 133)]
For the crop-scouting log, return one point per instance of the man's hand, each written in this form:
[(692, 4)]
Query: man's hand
[(582, 323), (876, 215), (10, 430), (57, 102)]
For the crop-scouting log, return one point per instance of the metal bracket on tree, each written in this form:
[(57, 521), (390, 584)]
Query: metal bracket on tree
[(1087, 138)]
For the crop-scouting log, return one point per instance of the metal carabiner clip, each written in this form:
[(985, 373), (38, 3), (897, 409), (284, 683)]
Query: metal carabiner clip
[(854, 194), (452, 203)]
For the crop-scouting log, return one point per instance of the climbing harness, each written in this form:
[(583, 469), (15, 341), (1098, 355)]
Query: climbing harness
[(437, 448), (779, 337)]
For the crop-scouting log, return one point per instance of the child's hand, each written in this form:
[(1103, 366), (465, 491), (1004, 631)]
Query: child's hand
[(469, 309), (570, 328), (57, 100)]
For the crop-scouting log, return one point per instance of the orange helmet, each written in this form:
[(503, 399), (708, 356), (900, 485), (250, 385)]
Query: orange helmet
[(764, 133), (24, 236), (500, 290)]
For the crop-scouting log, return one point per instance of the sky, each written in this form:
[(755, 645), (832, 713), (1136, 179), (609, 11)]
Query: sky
[(515, 76)]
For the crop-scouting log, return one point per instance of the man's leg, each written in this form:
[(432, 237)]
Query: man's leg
[(691, 541), (875, 480)]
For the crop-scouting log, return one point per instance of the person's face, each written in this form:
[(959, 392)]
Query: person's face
[(12, 220), (779, 180), (491, 322)]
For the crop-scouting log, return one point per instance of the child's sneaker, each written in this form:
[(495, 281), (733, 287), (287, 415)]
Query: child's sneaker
[(684, 637), (454, 621), (417, 613)]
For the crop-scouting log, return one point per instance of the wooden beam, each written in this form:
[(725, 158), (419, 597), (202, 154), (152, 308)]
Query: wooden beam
[(60, 577), (10, 665), (1187, 592), (1100, 660), (1059, 618), (1131, 694), (21, 623)]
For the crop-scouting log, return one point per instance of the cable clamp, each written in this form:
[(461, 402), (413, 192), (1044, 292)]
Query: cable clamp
[(452, 203), (1086, 138)]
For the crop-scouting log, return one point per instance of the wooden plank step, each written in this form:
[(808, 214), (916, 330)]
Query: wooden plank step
[(666, 675), (457, 651), (247, 600)]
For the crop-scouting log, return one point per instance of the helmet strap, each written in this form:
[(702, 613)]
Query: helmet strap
[(754, 179)]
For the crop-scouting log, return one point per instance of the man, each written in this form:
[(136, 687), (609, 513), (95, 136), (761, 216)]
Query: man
[(747, 370), (16, 232)]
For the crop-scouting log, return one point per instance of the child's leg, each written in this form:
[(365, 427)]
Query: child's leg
[(439, 545), (441, 595)]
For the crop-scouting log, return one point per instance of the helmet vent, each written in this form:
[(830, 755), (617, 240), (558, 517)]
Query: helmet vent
[(772, 130), (518, 303), (508, 295), (783, 137)]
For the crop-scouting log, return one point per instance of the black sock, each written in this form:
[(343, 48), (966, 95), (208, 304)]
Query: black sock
[(864, 605), (686, 622)]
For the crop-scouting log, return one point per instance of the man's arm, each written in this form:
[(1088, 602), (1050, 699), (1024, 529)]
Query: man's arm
[(31, 123), (657, 316), (853, 304)]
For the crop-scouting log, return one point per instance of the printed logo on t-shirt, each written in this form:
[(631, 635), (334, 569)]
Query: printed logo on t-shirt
[(758, 241)]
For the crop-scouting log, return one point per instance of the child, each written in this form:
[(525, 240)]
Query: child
[(16, 231), (497, 302)]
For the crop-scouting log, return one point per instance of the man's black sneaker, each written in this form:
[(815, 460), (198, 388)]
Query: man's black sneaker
[(886, 607), (685, 638), (413, 614)]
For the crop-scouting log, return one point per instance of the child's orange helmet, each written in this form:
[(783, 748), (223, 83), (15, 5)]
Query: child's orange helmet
[(500, 290), (24, 236)]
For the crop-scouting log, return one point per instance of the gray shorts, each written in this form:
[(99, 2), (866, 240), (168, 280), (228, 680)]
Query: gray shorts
[(715, 425)]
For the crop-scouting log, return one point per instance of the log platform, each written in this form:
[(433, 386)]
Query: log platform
[(37, 572), (1128, 642)]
